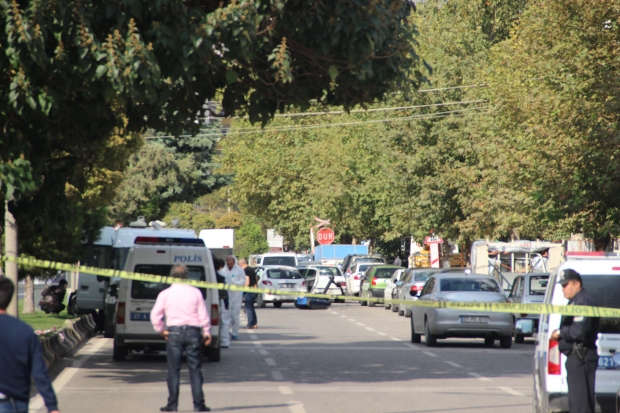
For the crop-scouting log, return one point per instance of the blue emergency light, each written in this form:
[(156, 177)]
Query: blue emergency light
[(169, 241)]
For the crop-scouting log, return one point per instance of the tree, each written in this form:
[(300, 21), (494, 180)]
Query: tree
[(250, 239), (82, 80), (230, 220), (189, 216)]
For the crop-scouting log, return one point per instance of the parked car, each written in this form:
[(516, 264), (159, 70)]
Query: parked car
[(441, 323), (352, 259), (279, 277), (391, 286), (410, 287), (375, 281), (601, 278), (353, 279), (317, 277), (527, 289), (280, 258)]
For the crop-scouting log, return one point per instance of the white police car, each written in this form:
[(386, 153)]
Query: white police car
[(157, 255), (601, 278)]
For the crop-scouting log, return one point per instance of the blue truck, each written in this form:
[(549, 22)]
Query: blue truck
[(338, 251)]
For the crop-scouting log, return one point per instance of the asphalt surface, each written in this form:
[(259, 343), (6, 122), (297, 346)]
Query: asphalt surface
[(345, 359)]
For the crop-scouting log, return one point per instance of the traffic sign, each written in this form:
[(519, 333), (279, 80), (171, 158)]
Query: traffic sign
[(433, 240), (325, 236)]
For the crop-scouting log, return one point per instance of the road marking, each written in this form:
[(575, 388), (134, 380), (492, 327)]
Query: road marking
[(343, 316), (395, 339), (370, 329), (411, 346), (263, 352), (360, 324), (453, 364), (253, 336), (511, 391), (350, 319), (479, 376), (68, 373), (381, 334), (277, 375), (258, 344), (285, 390), (428, 353), (270, 362), (296, 407)]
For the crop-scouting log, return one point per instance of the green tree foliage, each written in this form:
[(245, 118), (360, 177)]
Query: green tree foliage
[(167, 170), (189, 215), (250, 239), (230, 220), (80, 80)]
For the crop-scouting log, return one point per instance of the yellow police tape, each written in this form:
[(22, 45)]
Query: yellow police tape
[(568, 310)]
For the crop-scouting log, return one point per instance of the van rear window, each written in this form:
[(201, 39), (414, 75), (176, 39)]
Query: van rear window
[(604, 290), (288, 261), (145, 290)]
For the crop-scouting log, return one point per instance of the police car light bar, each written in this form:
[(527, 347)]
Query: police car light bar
[(169, 241)]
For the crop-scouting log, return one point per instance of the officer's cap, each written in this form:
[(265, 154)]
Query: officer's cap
[(567, 275)]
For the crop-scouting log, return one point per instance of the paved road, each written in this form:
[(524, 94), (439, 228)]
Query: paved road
[(345, 359)]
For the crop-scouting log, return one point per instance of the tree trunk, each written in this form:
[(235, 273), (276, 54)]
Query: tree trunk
[(28, 295), (10, 243)]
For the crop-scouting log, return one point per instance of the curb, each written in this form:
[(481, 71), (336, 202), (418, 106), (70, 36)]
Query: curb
[(68, 339)]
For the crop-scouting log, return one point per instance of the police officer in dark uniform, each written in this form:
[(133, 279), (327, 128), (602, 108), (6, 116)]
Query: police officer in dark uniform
[(577, 340)]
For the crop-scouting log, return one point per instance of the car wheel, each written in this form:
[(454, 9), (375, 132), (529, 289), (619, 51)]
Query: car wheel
[(400, 313), (489, 341), (394, 308), (415, 338), (277, 304), (505, 342), (387, 306), (431, 340), (371, 303), (260, 301), (119, 353), (407, 313)]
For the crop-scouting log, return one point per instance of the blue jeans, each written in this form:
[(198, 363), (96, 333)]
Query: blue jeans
[(13, 406), (249, 308), (189, 340)]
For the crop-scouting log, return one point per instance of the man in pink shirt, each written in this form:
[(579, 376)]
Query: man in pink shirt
[(187, 328)]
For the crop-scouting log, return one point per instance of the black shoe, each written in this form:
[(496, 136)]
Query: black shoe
[(167, 409), (202, 408)]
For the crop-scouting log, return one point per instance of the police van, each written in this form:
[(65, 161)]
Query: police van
[(156, 255), (601, 278)]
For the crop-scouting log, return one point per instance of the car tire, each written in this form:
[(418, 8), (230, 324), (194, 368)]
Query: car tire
[(260, 301), (119, 353), (387, 306), (394, 308), (401, 313), (407, 313), (415, 338), (489, 341), (277, 304), (371, 303), (214, 354), (519, 338), (431, 339), (505, 342)]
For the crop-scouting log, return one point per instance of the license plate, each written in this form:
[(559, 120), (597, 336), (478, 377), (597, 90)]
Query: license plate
[(475, 319), (288, 285), (140, 317), (606, 362)]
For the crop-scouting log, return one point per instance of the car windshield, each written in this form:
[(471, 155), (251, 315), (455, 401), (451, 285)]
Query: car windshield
[(288, 261), (538, 284), (368, 259), (604, 290), (363, 267), (384, 272), (331, 271), (422, 276), (282, 274), (145, 290), (469, 284)]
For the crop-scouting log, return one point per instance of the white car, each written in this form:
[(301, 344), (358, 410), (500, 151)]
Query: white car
[(279, 277), (288, 259), (353, 279), (157, 255), (317, 277), (391, 286), (601, 278)]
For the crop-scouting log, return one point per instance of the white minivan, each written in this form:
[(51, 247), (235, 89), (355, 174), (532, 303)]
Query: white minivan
[(601, 278), (157, 255), (288, 259)]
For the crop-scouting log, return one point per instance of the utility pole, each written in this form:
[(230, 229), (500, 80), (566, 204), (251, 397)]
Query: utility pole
[(10, 245)]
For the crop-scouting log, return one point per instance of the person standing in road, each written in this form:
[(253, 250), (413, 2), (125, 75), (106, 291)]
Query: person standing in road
[(250, 298), (577, 340), (21, 358), (235, 276), (224, 304), (398, 261), (187, 329)]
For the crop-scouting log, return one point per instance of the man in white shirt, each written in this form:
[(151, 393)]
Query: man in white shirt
[(234, 275)]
